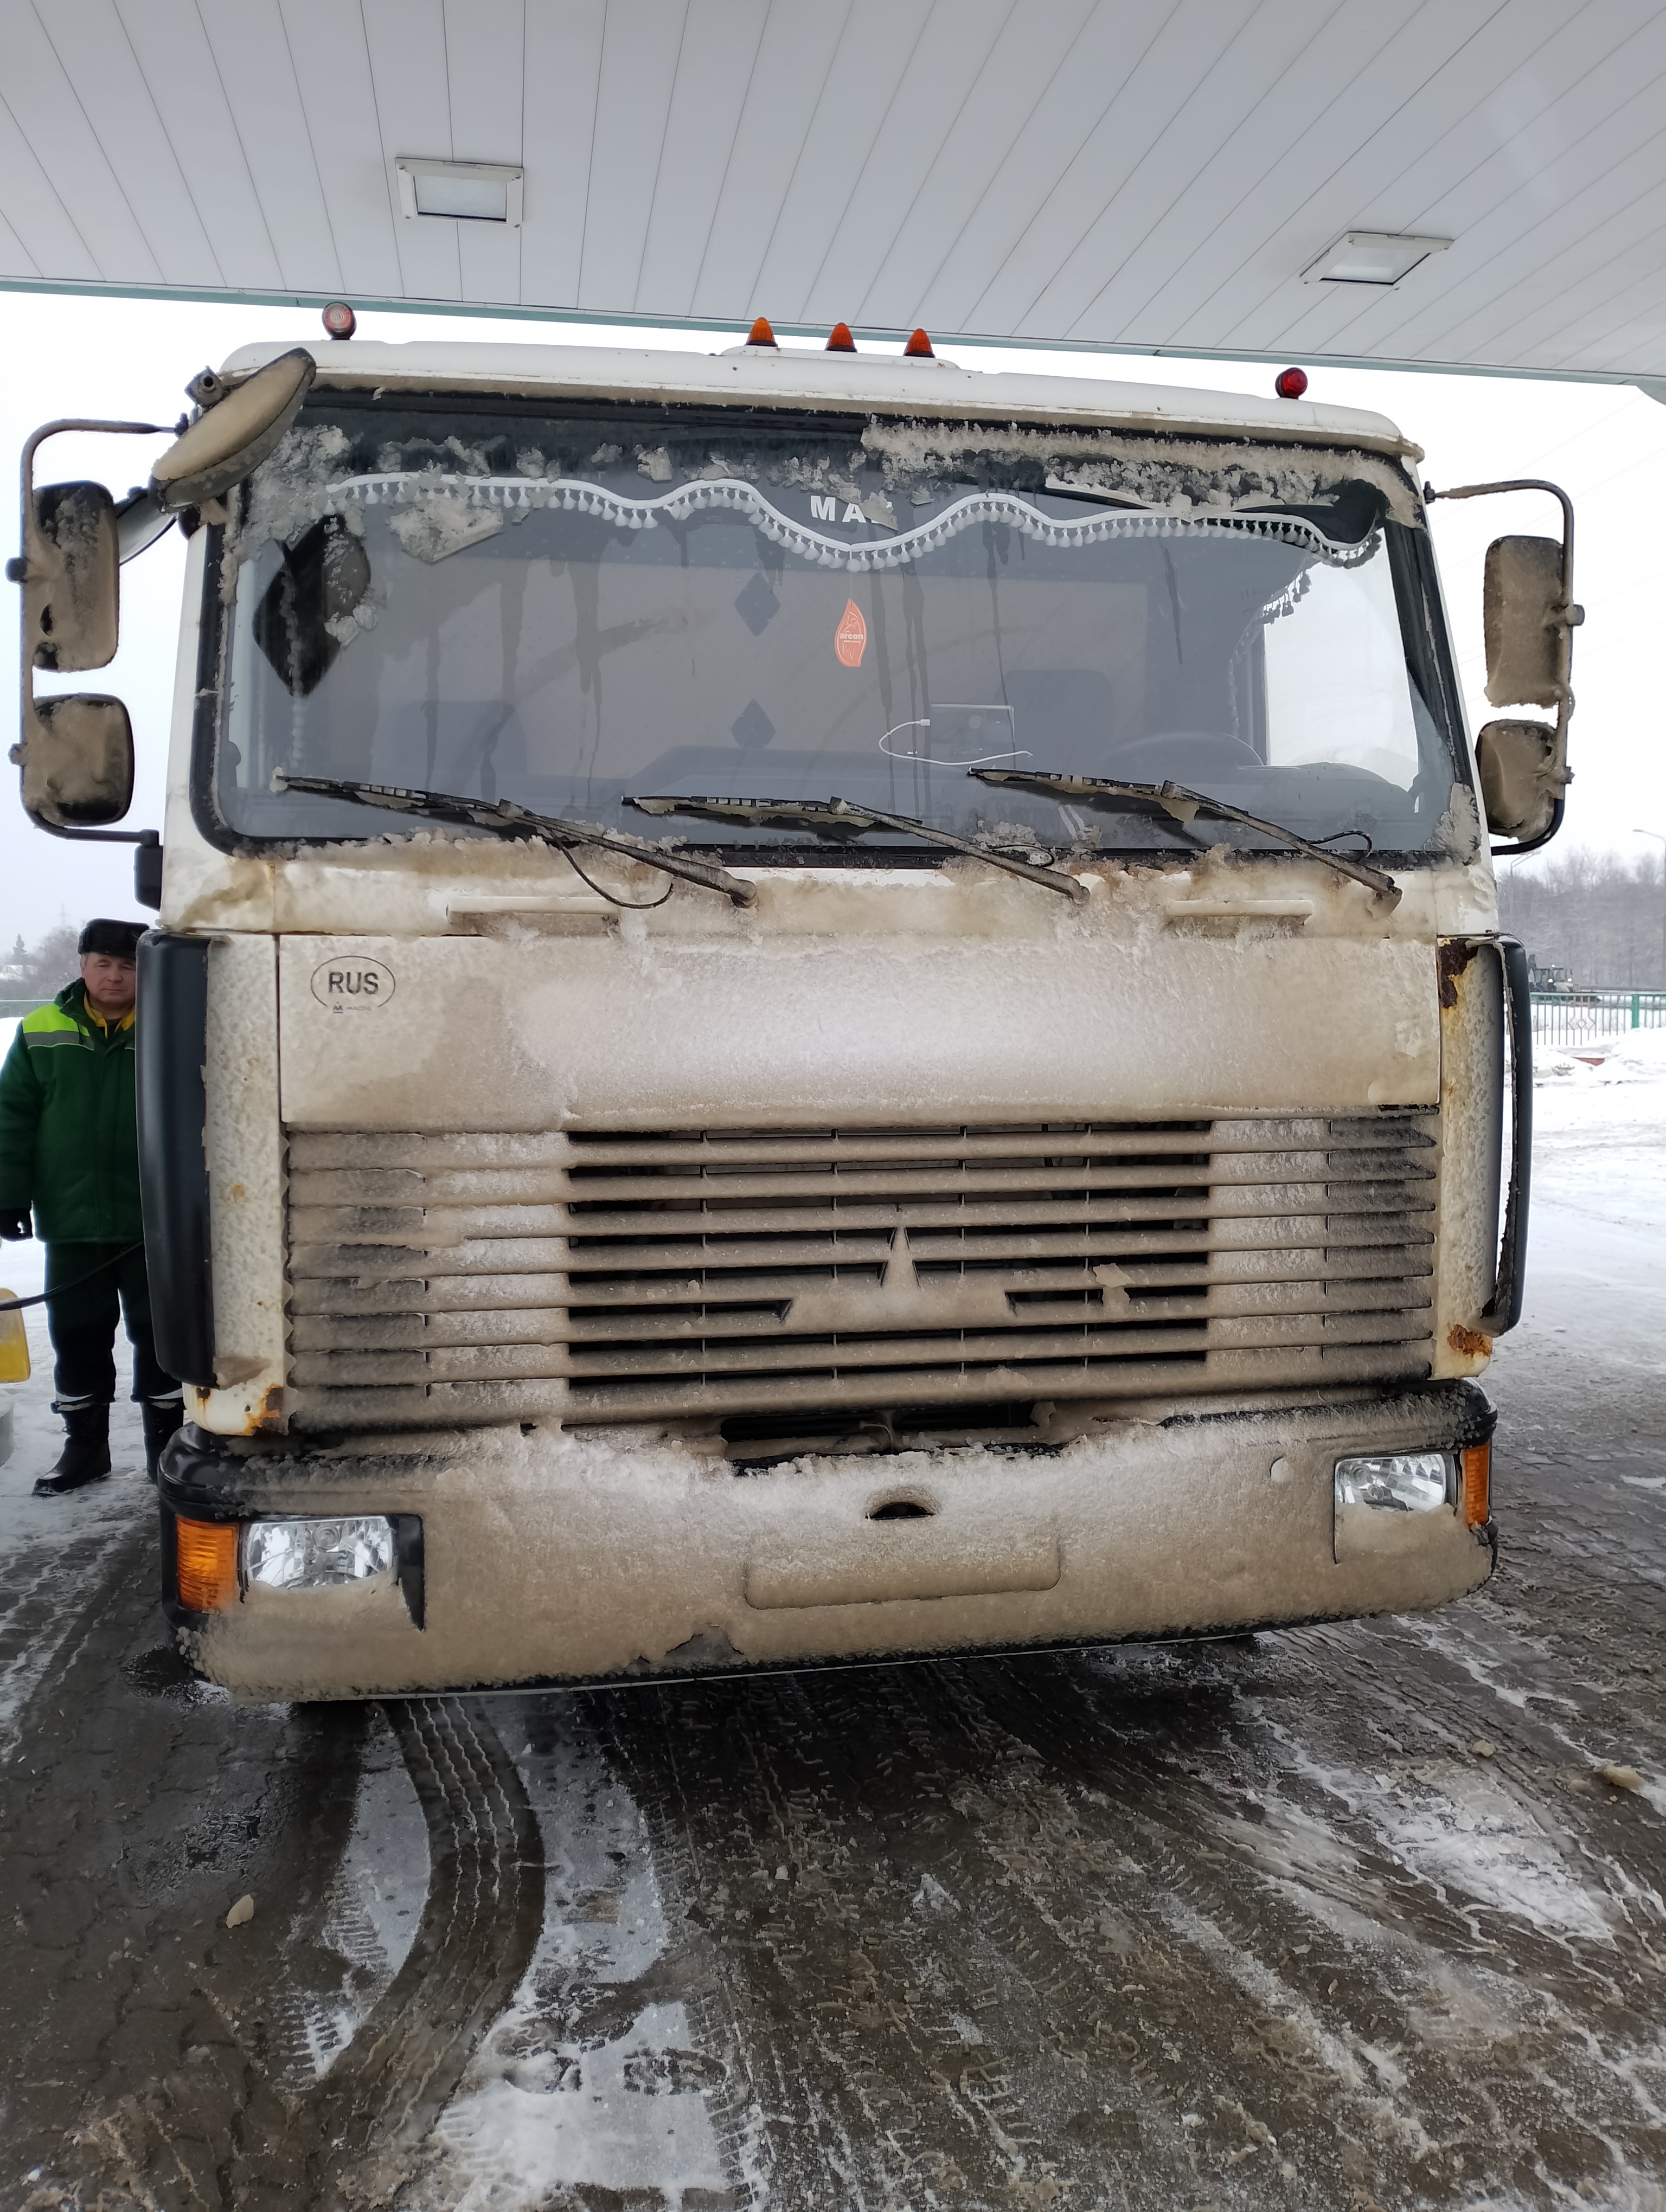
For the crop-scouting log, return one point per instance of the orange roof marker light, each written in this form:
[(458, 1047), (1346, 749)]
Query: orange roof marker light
[(839, 339), (919, 348), (761, 334), (1290, 383)]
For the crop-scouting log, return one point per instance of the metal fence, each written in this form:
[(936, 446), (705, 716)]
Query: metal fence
[(1572, 1018)]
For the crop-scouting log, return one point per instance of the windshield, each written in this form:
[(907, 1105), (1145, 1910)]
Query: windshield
[(576, 613)]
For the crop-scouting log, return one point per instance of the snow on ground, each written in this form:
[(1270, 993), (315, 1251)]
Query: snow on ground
[(1598, 1220), (22, 1267), (53, 1549), (541, 2110), (1599, 1132)]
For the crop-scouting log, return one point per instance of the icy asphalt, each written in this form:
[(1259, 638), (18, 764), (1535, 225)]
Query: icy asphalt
[(1331, 1919)]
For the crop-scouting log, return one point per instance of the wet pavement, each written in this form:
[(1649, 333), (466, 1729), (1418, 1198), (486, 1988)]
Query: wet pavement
[(1340, 1917)]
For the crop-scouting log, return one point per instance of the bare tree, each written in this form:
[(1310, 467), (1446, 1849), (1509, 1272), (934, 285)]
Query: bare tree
[(1602, 916), (41, 970)]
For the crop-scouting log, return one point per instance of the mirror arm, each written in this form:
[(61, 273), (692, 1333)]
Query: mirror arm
[(30, 536), (17, 572), (1566, 618)]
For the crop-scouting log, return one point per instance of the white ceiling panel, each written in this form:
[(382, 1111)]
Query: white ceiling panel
[(563, 70), (704, 147), (1143, 99), (406, 44), (955, 45), (122, 116), (641, 48), (53, 116), (1024, 60), (42, 227), (338, 100), (1141, 174), (486, 50), (181, 79), (877, 40), (253, 55), (1051, 140)]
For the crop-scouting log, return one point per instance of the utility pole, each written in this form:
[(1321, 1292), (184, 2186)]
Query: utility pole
[(1660, 839)]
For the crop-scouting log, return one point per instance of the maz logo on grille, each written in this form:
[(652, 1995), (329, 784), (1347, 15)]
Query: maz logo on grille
[(608, 1275)]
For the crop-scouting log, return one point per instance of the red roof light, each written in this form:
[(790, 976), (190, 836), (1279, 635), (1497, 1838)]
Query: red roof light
[(1290, 383), (339, 320)]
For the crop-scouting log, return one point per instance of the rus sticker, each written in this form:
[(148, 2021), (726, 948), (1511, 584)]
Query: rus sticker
[(850, 639), (349, 985)]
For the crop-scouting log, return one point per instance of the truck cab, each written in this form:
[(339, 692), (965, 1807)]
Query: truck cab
[(813, 1007)]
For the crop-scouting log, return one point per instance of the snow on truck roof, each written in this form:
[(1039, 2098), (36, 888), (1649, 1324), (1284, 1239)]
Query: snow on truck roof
[(801, 376)]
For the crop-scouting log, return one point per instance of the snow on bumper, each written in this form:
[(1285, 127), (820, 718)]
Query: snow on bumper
[(592, 1554)]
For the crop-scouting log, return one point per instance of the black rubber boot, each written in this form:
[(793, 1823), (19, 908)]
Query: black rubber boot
[(159, 1422), (86, 1456)]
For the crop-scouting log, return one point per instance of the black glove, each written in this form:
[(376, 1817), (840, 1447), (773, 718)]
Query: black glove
[(14, 1225)]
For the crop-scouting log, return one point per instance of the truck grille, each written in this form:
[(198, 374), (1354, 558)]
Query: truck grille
[(603, 1276)]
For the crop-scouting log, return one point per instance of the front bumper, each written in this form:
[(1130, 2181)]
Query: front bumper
[(597, 1555)]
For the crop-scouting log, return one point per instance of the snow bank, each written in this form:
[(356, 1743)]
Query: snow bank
[(1633, 1056), (1562, 1067)]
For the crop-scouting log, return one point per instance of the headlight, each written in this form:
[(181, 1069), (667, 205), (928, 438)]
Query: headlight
[(318, 1554), (1400, 1482)]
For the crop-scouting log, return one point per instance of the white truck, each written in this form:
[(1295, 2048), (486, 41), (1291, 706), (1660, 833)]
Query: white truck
[(807, 1007)]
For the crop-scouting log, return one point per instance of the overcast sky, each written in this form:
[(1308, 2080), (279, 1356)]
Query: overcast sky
[(1604, 444)]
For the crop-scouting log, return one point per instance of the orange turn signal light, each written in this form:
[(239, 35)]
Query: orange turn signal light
[(919, 348), (1477, 1460), (761, 334), (839, 339), (205, 1559)]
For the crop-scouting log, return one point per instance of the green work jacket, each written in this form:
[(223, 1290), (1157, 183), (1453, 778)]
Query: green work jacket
[(69, 1135)]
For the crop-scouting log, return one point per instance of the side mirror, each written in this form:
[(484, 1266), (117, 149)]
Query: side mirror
[(1522, 622), (231, 438), (70, 577), (1520, 786), (75, 751), (1528, 621), (76, 755)]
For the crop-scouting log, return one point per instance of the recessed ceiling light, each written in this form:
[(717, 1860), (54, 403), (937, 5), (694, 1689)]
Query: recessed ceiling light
[(1371, 257), (464, 191)]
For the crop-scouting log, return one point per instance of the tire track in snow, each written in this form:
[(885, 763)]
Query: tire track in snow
[(479, 1928)]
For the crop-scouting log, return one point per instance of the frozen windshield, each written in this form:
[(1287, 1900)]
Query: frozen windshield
[(574, 613)]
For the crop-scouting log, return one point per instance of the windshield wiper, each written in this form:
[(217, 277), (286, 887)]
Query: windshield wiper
[(1176, 800), (508, 820), (837, 820)]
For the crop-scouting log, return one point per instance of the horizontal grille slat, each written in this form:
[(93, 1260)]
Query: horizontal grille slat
[(1337, 1268), (711, 1273), (432, 1293)]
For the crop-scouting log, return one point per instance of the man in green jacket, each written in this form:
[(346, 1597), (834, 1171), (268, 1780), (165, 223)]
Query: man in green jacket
[(69, 1152)]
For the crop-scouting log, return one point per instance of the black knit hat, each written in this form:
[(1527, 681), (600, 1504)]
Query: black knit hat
[(117, 939)]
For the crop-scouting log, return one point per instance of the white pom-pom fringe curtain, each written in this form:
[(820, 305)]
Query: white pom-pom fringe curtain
[(520, 494)]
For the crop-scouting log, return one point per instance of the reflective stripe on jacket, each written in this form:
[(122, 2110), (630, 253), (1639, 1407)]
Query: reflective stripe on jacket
[(69, 1138)]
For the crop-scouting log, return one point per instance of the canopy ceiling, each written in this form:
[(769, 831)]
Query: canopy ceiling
[(1146, 174)]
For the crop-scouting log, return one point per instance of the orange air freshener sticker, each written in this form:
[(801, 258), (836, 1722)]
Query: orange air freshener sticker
[(850, 639)]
